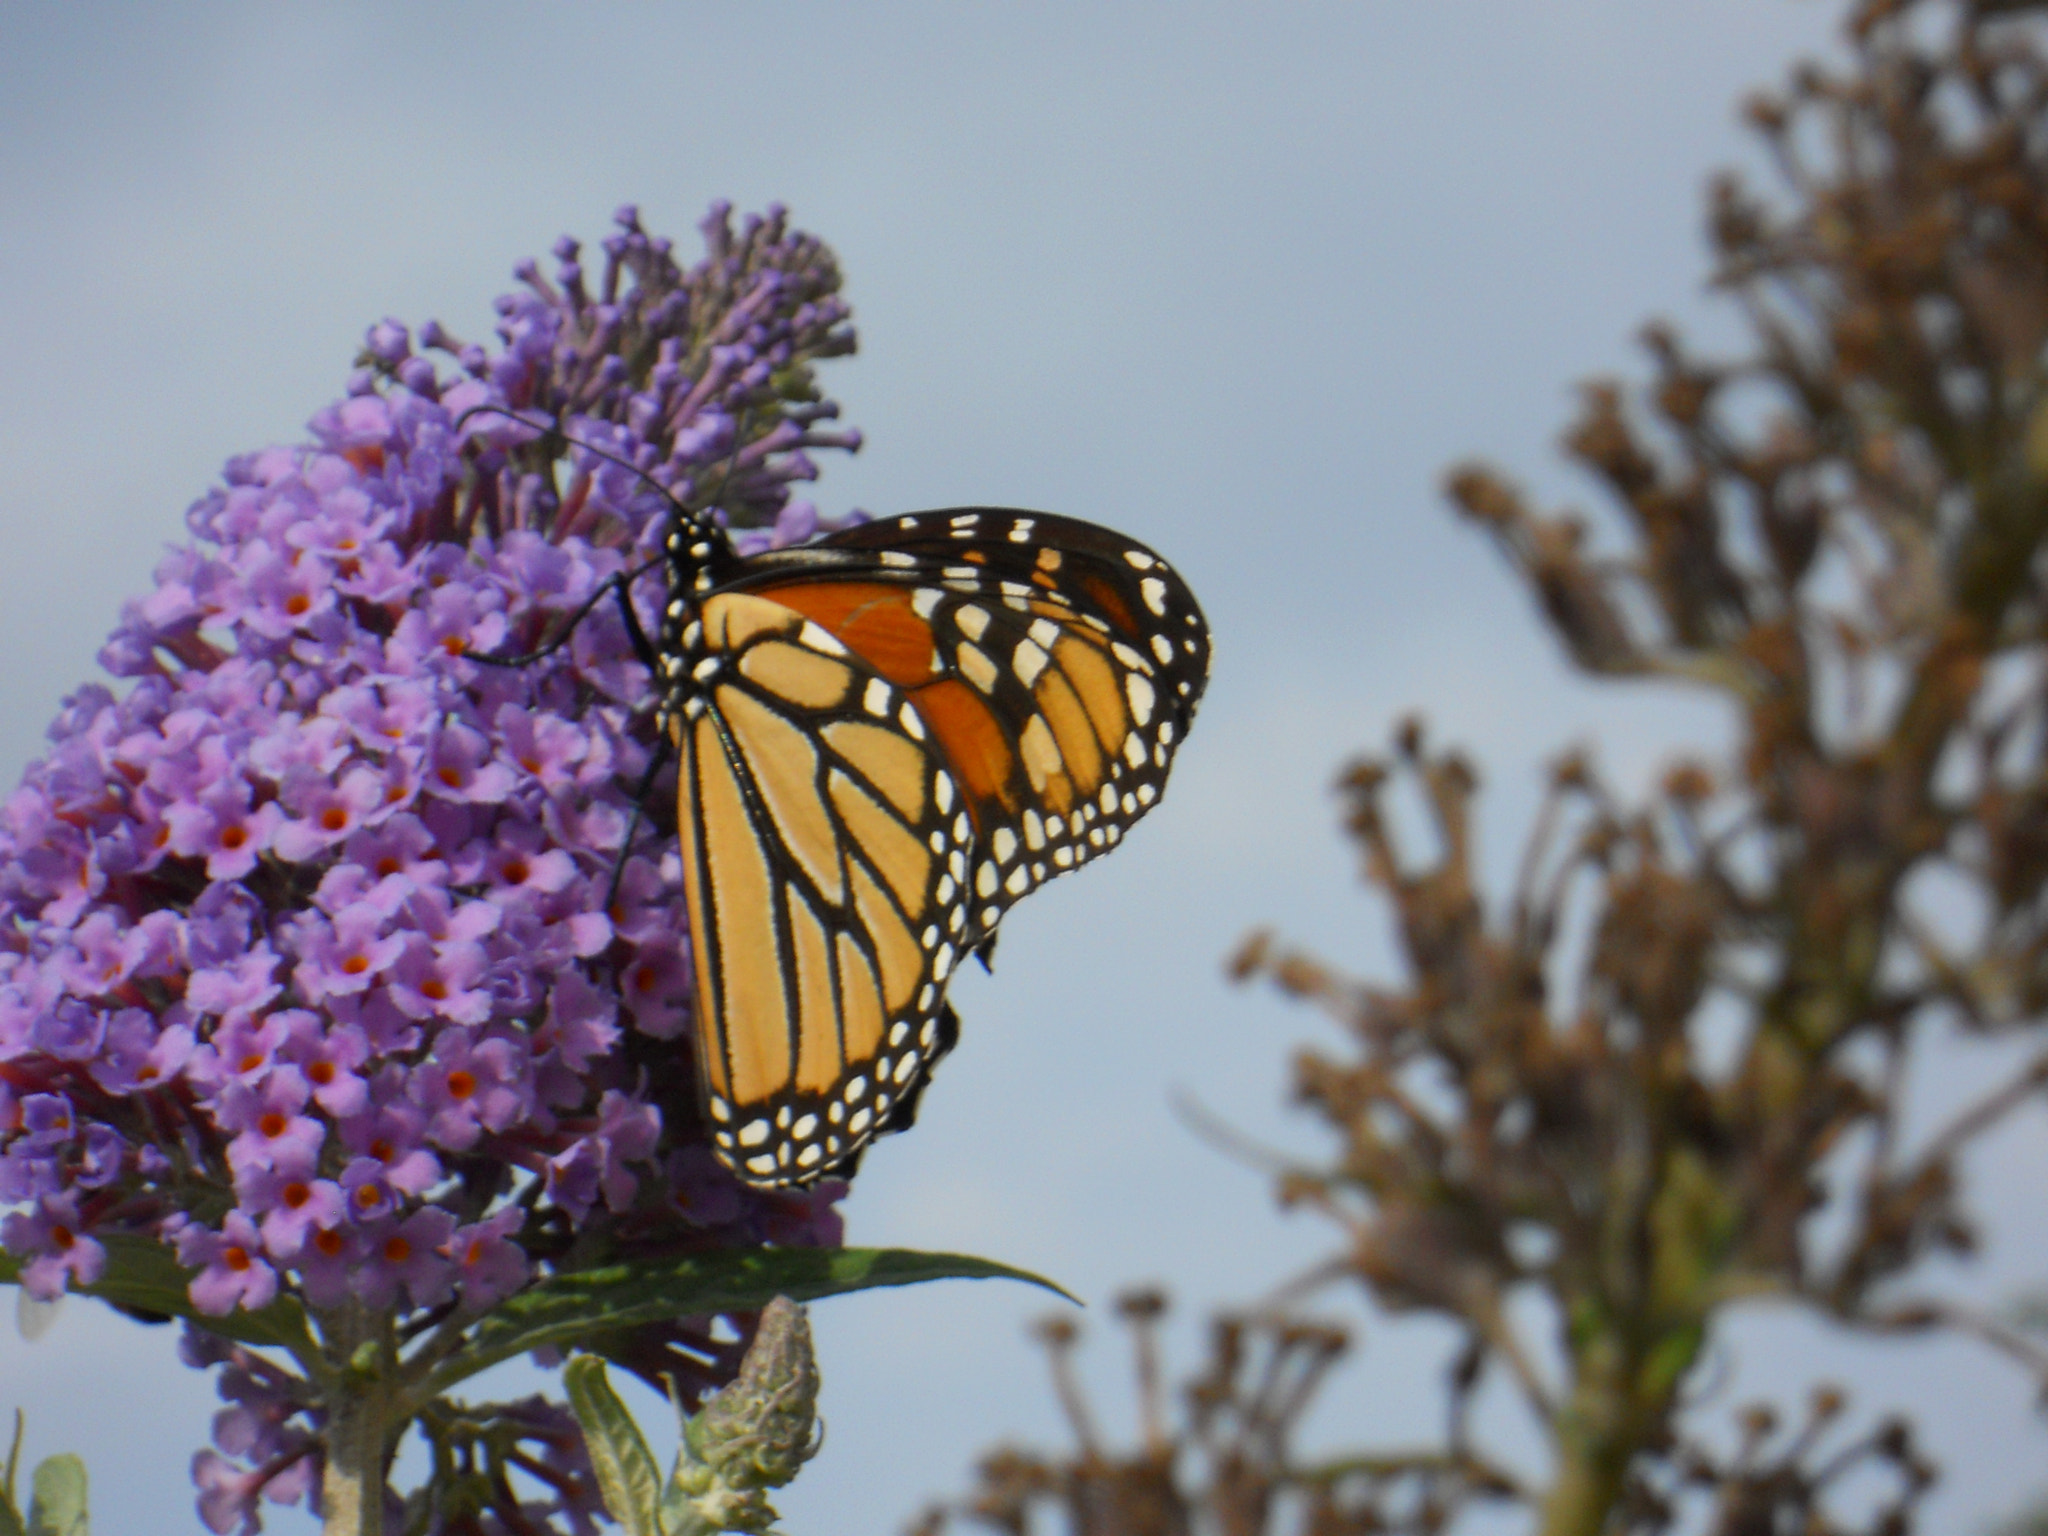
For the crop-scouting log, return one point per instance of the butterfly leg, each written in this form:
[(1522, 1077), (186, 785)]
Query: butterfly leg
[(642, 646), (655, 763), (620, 584)]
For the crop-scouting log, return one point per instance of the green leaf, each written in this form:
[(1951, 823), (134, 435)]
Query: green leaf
[(566, 1310), (145, 1274), (58, 1508), (626, 1472)]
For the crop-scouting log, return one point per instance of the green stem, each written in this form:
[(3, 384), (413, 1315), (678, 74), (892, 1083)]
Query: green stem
[(361, 1404), (1593, 1446)]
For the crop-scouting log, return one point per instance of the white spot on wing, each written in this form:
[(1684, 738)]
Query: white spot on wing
[(819, 638), (1029, 660), (976, 667), (1139, 691)]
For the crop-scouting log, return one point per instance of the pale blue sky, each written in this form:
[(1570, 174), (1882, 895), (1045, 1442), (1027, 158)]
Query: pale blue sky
[(1240, 280)]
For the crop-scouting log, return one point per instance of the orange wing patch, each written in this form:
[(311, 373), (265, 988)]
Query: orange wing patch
[(873, 621)]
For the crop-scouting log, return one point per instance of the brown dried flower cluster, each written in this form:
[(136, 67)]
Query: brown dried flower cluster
[(1692, 1026)]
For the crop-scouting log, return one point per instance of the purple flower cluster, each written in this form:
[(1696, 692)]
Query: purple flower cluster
[(308, 966)]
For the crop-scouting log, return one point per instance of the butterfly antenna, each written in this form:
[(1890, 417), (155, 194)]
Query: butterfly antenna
[(555, 426), (739, 442), (621, 582), (682, 512)]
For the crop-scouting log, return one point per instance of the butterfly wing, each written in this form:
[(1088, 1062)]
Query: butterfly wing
[(1057, 663), (887, 738), (826, 849)]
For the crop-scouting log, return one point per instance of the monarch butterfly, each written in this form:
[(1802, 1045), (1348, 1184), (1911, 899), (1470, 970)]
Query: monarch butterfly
[(883, 739)]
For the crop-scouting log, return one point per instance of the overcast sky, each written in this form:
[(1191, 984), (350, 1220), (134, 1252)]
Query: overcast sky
[(1238, 280)]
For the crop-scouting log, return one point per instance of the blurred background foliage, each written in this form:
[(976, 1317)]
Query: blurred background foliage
[(1677, 1068)]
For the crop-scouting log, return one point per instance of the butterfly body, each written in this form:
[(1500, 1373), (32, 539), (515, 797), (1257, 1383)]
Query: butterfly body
[(884, 739)]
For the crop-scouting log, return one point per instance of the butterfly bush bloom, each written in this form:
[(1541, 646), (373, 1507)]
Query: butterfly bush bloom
[(344, 963)]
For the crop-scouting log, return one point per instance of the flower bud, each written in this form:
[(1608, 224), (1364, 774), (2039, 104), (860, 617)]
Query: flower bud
[(754, 1434)]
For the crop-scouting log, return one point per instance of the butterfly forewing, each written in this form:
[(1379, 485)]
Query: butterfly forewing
[(886, 738)]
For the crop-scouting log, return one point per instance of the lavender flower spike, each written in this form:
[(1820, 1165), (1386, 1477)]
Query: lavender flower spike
[(308, 968)]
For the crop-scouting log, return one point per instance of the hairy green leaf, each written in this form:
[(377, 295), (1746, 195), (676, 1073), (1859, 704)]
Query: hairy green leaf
[(58, 1507), (144, 1275), (626, 1472), (566, 1310)]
